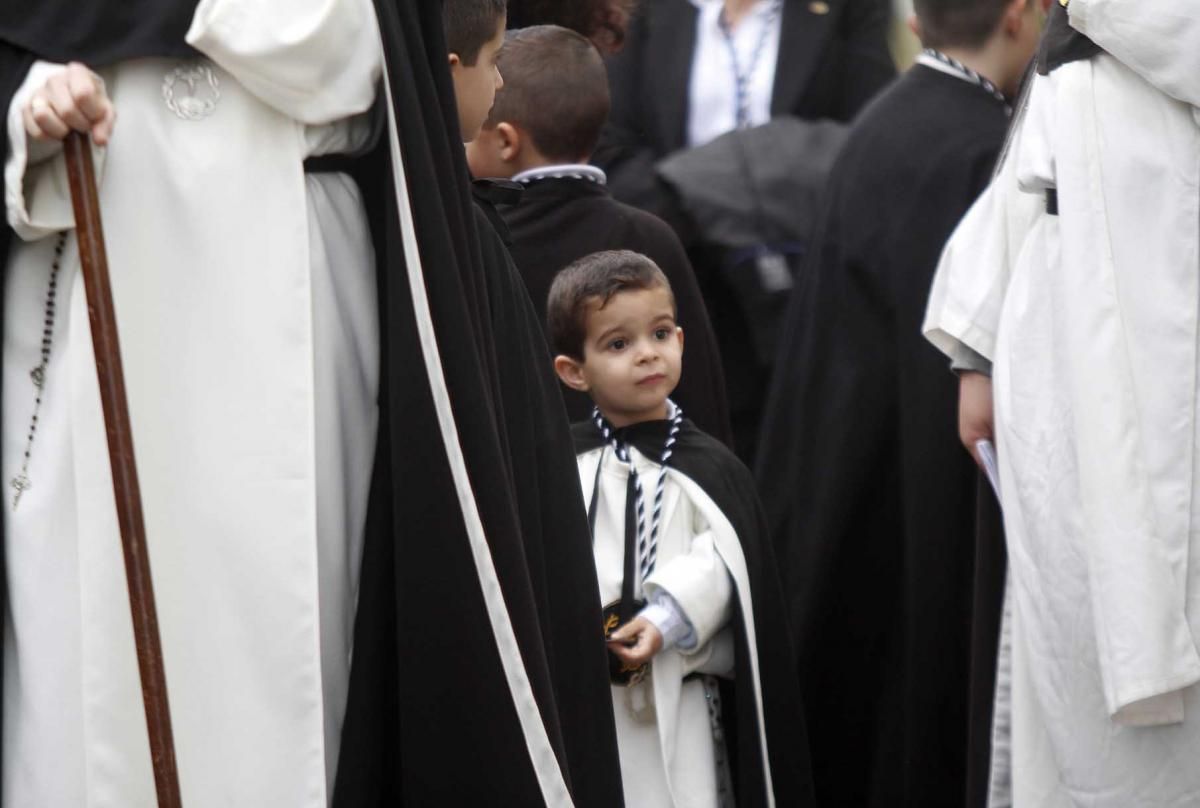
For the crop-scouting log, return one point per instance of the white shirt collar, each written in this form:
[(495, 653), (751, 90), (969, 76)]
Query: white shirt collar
[(577, 171)]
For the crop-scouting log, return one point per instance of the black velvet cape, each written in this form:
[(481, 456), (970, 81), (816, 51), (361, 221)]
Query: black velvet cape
[(430, 718), (712, 466), (872, 499), (559, 220)]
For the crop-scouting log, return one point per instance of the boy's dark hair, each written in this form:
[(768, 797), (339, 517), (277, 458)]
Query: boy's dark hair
[(470, 24), (598, 276), (958, 23), (555, 89)]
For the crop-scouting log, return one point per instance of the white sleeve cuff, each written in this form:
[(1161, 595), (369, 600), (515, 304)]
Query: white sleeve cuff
[(37, 200), (1160, 710), (668, 617)]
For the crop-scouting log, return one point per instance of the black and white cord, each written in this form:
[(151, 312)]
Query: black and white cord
[(647, 541)]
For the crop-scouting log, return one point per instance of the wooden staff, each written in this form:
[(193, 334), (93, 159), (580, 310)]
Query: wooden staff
[(94, 261)]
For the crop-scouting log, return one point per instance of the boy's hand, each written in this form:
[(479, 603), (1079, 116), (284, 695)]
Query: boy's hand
[(636, 642), (71, 100), (976, 420)]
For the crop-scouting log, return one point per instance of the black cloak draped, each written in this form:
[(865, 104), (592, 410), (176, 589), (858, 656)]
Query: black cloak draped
[(716, 470), (871, 498), (434, 714)]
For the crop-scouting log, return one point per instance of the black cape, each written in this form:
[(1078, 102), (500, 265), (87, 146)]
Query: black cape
[(430, 718), (871, 498), (716, 470), (560, 220)]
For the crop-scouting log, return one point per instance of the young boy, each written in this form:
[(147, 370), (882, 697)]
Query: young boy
[(540, 133), (685, 572), (474, 36)]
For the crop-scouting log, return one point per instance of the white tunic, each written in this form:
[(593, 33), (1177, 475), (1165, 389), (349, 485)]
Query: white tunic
[(667, 753), (245, 294), (1091, 319)]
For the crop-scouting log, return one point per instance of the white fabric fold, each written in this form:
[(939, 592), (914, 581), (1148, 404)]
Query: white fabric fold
[(1092, 319), (246, 304), (311, 60), (1157, 39)]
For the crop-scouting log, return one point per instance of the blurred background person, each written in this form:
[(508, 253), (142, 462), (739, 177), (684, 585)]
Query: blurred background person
[(871, 500), (692, 71)]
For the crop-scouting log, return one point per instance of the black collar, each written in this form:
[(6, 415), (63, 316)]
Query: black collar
[(1061, 44)]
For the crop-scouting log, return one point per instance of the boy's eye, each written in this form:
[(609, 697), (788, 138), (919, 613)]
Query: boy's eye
[(662, 333), (618, 344)]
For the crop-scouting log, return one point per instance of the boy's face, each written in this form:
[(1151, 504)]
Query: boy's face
[(632, 355), (475, 85)]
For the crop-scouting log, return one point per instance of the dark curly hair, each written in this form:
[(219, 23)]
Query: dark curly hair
[(602, 21), (595, 278)]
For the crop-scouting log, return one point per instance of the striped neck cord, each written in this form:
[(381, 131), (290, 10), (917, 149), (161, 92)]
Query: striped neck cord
[(647, 541), (969, 75)]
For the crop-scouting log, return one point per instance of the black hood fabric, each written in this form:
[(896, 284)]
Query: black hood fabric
[(1061, 44), (97, 32), (431, 719)]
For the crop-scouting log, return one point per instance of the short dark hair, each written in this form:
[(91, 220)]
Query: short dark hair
[(471, 24), (555, 89), (958, 23), (598, 276)]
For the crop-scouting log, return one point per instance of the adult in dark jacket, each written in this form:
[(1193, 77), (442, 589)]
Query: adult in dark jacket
[(675, 85)]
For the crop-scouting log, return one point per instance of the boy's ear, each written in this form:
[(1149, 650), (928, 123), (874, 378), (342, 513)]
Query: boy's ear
[(914, 25), (455, 62), (510, 140), (679, 336), (1014, 16), (571, 372)]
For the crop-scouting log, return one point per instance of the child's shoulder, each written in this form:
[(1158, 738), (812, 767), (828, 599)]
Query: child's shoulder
[(701, 456)]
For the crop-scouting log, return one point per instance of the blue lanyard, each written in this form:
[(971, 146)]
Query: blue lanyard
[(742, 79)]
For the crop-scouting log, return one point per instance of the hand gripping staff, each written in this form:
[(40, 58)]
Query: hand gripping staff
[(94, 261)]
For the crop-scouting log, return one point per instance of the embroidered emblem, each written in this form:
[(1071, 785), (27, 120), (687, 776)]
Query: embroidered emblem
[(192, 91), (818, 7)]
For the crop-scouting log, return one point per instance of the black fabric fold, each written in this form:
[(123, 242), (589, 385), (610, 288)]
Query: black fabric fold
[(1061, 44), (99, 32), (512, 431)]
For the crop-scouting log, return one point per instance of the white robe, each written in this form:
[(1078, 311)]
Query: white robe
[(1091, 320), (245, 294), (668, 755)]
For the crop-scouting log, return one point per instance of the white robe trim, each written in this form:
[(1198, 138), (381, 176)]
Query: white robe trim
[(541, 753), (730, 549)]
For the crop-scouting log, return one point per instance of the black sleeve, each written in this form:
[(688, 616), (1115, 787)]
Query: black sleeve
[(868, 62)]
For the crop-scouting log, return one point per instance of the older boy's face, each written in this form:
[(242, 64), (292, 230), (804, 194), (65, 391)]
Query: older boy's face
[(633, 355), (475, 85)]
